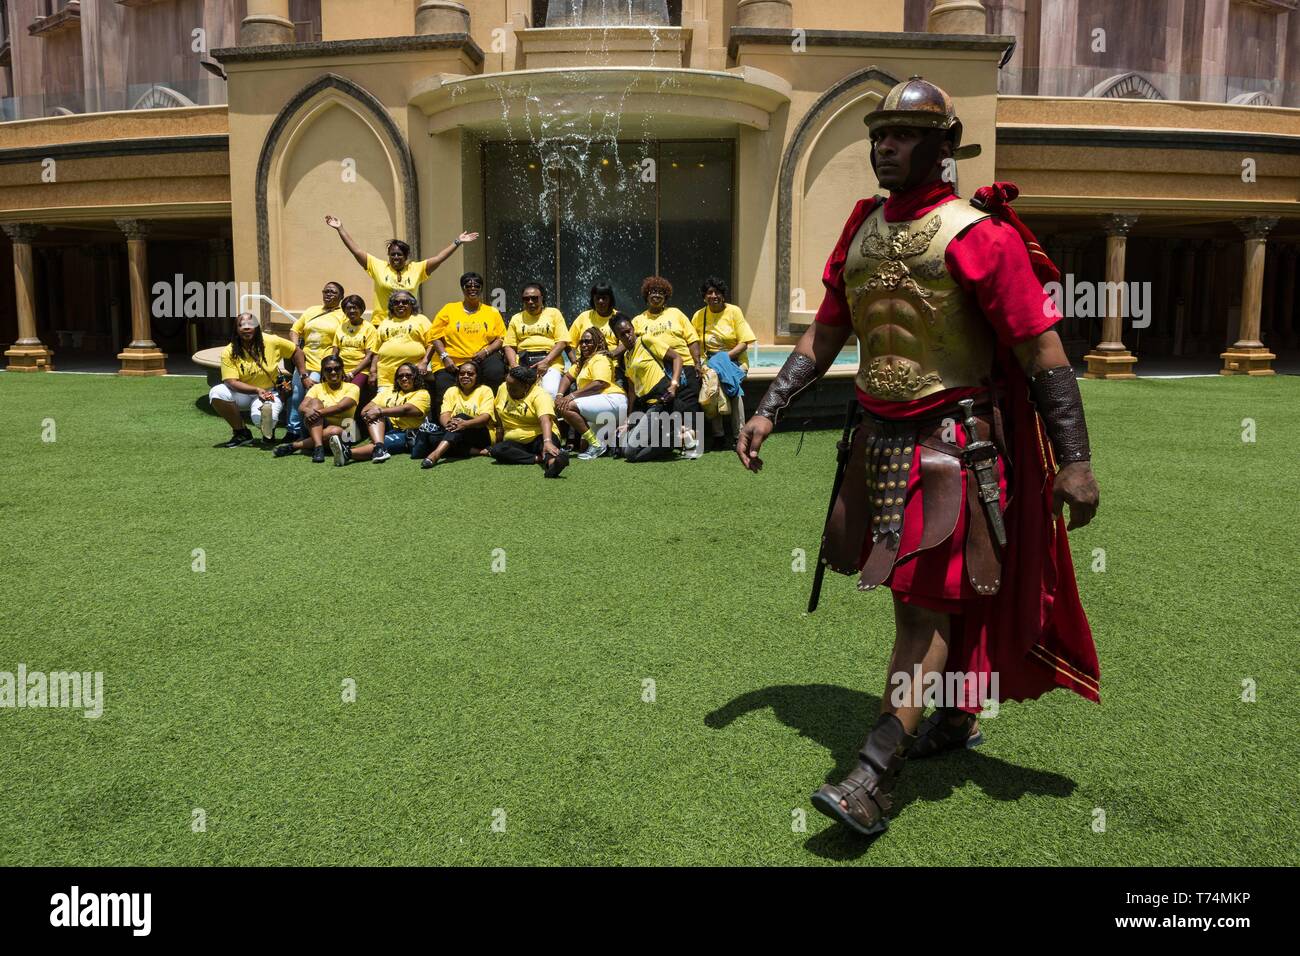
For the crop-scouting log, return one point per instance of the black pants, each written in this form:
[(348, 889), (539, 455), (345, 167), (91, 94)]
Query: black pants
[(688, 392), (461, 441), (491, 373), (516, 452), (650, 438)]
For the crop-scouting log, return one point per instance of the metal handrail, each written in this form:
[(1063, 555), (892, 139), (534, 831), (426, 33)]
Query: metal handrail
[(258, 297)]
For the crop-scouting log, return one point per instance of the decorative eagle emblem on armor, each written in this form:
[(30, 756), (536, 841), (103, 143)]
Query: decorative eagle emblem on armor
[(901, 243)]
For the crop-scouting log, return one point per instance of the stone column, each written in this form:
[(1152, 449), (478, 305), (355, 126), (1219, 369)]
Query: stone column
[(267, 22), (28, 354), (434, 17), (1109, 358), (1248, 356), (765, 13), (957, 16), (142, 356)]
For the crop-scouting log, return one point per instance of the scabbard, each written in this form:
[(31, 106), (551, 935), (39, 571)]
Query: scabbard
[(986, 476), (851, 414)]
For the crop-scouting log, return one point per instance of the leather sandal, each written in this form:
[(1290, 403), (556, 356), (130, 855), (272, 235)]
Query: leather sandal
[(868, 791), (938, 735)]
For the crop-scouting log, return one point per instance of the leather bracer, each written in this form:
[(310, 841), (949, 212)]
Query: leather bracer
[(798, 372), (1056, 395)]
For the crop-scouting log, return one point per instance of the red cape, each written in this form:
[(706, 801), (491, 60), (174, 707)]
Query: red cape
[(1033, 633)]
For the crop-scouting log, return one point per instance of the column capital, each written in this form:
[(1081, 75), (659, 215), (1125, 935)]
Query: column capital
[(1118, 223), (134, 228), (21, 231), (1257, 227)]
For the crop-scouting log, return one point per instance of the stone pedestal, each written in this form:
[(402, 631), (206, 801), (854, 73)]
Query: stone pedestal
[(1248, 356), (774, 14), (28, 354), (957, 16), (436, 17), (267, 23)]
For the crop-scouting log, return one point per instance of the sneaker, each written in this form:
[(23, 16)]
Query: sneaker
[(593, 452), (238, 439), (341, 453), (268, 422), (282, 450), (692, 447), (381, 454), (294, 434), (426, 463), (318, 454), (557, 465)]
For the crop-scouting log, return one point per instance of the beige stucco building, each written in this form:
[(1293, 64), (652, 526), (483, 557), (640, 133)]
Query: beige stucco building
[(151, 143)]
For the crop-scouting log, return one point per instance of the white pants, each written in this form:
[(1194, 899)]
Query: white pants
[(551, 380), (246, 402), (604, 413)]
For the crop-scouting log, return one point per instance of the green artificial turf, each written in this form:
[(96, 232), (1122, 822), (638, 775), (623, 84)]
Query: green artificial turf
[(523, 690)]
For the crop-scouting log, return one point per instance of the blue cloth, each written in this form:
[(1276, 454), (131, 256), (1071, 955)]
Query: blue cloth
[(730, 375), (398, 440)]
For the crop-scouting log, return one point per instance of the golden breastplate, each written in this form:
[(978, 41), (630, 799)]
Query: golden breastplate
[(919, 332)]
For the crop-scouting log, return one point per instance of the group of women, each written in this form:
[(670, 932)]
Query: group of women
[(468, 383)]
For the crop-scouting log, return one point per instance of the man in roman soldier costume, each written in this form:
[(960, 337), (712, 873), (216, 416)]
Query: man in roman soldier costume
[(971, 440)]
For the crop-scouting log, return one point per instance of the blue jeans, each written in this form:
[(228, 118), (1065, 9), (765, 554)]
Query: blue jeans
[(299, 393), (397, 440)]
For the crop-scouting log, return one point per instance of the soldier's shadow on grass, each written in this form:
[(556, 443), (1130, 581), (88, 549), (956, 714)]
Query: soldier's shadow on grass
[(839, 719)]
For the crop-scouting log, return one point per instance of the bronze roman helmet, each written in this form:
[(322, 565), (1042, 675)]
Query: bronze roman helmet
[(916, 102)]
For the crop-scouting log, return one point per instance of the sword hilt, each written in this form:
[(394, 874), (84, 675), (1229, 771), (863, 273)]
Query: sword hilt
[(968, 424)]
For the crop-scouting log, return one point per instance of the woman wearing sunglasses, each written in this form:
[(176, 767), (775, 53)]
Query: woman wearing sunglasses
[(467, 331), (403, 336), (537, 337), (463, 420), (391, 420), (597, 398), (324, 410)]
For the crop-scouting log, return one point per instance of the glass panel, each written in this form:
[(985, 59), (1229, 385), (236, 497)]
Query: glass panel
[(520, 196), (695, 217), (605, 199), (607, 224)]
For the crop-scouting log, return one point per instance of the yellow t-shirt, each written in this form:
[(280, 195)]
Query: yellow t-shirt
[(476, 403), (597, 368), (726, 330), (528, 334), (404, 341), (586, 320), (391, 398), (668, 330), (643, 368), (317, 329), (387, 282), (354, 341), (251, 372), (466, 333), (329, 397), (522, 419)]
